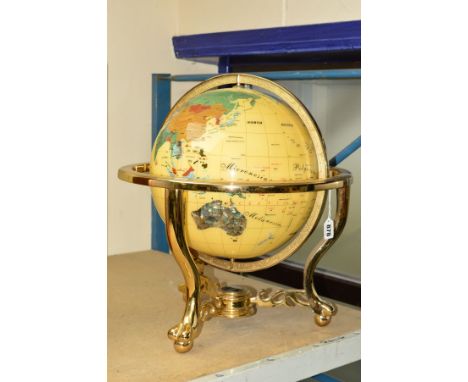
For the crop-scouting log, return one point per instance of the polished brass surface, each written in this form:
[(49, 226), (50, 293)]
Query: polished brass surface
[(272, 298), (235, 301), (139, 174), (325, 310), (184, 332), (204, 296)]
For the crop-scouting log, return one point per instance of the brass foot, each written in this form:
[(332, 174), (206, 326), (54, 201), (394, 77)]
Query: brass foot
[(182, 335), (186, 331), (183, 347), (324, 313), (322, 320)]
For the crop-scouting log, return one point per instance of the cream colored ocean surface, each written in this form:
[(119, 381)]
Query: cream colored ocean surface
[(237, 134)]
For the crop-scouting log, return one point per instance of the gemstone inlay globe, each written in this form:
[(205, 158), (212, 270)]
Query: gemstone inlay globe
[(237, 135)]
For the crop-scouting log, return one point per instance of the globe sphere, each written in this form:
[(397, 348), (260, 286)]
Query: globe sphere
[(234, 135)]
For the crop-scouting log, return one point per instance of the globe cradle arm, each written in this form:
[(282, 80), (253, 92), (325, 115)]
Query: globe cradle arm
[(204, 296), (176, 190)]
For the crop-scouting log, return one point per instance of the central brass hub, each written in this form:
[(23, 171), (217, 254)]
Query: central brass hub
[(235, 301)]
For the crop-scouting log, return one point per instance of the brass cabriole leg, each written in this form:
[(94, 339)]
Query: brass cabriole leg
[(189, 328), (325, 310)]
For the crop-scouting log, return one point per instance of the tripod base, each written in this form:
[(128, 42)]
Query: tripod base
[(237, 301)]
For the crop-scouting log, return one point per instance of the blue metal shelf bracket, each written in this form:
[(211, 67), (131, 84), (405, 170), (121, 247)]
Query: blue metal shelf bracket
[(283, 75), (160, 106), (346, 152)]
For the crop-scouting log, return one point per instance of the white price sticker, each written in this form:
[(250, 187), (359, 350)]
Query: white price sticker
[(328, 229), (329, 225)]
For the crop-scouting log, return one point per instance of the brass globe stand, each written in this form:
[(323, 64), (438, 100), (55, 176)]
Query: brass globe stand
[(204, 296)]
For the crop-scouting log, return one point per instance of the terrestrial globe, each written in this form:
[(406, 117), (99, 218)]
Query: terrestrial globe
[(238, 174), (232, 135)]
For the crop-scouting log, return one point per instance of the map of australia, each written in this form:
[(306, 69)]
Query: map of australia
[(214, 214)]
